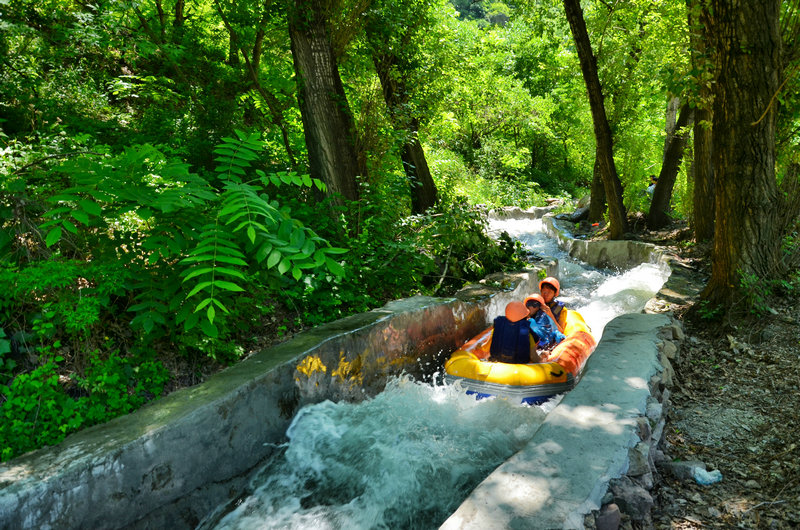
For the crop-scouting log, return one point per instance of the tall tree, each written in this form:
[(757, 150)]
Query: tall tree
[(327, 120), (702, 170), (618, 222), (747, 241), (393, 32), (252, 58), (674, 145)]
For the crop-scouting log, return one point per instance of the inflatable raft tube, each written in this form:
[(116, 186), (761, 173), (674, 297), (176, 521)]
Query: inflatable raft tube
[(533, 383)]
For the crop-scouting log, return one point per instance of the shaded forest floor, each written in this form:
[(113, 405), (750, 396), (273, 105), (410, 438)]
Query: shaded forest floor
[(735, 406)]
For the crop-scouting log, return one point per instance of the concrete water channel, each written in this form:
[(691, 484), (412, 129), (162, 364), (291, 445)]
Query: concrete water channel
[(173, 462)]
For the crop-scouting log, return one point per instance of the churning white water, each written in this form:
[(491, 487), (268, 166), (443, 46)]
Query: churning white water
[(599, 295), (409, 456)]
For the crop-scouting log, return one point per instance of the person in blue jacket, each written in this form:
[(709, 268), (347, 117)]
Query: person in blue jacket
[(511, 338), (543, 328)]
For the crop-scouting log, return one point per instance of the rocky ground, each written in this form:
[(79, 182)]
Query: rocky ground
[(735, 407)]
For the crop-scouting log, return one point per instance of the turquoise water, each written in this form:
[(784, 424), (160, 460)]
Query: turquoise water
[(404, 459)]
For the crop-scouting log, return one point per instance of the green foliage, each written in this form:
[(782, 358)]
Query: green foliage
[(709, 311), (756, 293), (6, 363), (39, 410)]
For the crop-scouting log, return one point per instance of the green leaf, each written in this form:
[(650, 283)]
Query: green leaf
[(90, 207), (53, 236), (198, 272), (274, 258), (296, 273), (211, 313), (69, 225), (228, 286), (334, 250), (80, 216), (251, 233), (334, 267), (209, 329), (284, 266), (199, 287)]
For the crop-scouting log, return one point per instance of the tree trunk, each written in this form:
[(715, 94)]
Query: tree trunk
[(702, 172), (618, 222), (423, 190), (420, 182), (597, 206), (747, 241), (674, 145), (327, 121)]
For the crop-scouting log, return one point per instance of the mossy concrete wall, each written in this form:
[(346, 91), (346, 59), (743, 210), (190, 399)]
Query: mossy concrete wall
[(172, 462)]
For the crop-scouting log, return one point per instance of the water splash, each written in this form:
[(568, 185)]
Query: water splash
[(404, 459)]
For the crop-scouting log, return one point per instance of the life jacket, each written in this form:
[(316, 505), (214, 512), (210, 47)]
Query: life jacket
[(556, 307), (511, 341), (545, 331)]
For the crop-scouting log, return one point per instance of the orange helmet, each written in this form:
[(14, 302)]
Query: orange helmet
[(552, 282), (534, 298), (516, 311)]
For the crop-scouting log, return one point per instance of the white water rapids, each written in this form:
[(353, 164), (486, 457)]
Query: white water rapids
[(409, 456)]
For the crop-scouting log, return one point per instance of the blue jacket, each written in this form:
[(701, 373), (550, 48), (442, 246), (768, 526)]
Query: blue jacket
[(545, 331), (511, 342)]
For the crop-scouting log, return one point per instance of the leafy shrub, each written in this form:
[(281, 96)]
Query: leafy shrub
[(38, 409)]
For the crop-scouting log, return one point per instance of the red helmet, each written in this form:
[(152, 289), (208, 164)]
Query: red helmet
[(516, 311), (552, 282), (534, 297)]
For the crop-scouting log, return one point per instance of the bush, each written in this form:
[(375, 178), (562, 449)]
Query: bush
[(40, 409)]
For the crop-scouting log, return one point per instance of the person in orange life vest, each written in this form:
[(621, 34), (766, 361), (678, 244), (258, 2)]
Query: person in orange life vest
[(512, 341), (549, 288), (543, 326)]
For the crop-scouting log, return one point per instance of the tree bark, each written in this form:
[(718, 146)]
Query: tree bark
[(702, 171), (423, 190), (674, 145), (327, 122), (597, 206), (747, 241), (618, 222), (420, 182)]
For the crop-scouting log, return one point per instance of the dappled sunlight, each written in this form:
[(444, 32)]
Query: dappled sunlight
[(589, 418), (637, 383)]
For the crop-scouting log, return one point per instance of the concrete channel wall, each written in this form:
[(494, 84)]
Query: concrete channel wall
[(172, 462)]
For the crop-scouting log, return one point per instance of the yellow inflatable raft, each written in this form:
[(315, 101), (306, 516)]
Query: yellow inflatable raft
[(533, 383)]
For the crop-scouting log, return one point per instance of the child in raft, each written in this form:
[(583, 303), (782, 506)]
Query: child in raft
[(549, 289), (512, 340), (543, 326)]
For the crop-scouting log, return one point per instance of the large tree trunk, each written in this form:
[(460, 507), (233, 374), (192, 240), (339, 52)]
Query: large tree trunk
[(702, 171), (674, 145), (747, 240), (597, 206), (618, 222), (327, 121), (703, 177), (420, 182)]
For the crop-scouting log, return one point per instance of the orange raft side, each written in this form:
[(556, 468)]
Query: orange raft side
[(571, 353)]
